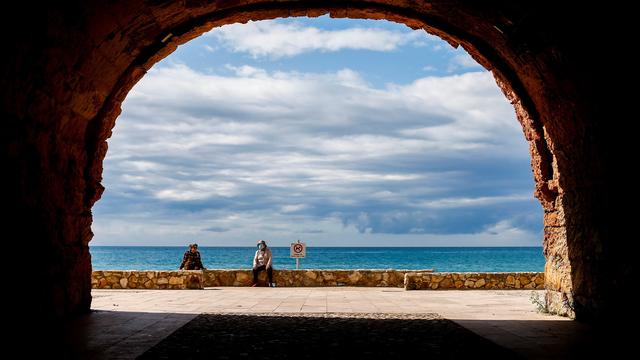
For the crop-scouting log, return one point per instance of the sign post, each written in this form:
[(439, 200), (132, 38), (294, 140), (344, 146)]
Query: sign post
[(297, 251)]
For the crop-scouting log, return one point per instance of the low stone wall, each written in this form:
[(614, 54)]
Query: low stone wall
[(409, 279), (298, 278), (444, 281), (118, 279)]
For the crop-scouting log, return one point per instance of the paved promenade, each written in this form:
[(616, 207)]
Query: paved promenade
[(126, 323)]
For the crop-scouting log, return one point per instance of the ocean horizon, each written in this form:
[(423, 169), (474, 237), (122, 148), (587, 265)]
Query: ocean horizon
[(444, 259)]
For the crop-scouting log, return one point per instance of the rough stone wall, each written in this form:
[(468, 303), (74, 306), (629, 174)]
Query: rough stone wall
[(119, 279), (71, 64), (498, 281), (410, 280), (391, 278)]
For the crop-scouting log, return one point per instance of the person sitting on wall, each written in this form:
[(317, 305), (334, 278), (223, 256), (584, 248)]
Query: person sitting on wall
[(191, 259), (263, 261)]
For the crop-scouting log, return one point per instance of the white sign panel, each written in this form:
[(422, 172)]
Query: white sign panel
[(298, 250)]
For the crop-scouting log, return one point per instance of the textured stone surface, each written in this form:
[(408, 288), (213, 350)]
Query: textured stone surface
[(410, 280), (196, 279), (494, 281), (393, 278), (71, 64), (118, 279)]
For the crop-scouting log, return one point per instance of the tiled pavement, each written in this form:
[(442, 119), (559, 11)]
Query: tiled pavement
[(125, 323)]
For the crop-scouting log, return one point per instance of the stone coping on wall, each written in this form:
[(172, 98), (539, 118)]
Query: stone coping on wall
[(409, 279), (472, 280)]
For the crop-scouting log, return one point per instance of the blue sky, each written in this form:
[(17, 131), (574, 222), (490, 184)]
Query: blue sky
[(335, 132)]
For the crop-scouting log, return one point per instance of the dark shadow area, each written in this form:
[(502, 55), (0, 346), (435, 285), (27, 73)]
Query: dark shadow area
[(115, 335), (323, 336), (71, 65), (147, 335), (546, 339)]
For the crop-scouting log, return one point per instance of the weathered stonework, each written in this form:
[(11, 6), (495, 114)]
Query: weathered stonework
[(409, 279), (559, 303), (119, 279), (477, 281), (392, 278), (71, 65)]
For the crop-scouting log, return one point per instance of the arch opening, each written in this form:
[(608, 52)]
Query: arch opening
[(60, 120), (384, 155), (546, 175)]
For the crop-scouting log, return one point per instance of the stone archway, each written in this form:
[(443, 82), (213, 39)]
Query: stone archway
[(72, 68)]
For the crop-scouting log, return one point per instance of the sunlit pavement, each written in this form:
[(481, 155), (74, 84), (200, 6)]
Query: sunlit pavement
[(125, 323)]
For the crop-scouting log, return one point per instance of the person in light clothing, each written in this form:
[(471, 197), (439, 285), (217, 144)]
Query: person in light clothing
[(263, 260)]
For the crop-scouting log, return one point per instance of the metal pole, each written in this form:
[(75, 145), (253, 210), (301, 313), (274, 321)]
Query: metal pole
[(297, 263)]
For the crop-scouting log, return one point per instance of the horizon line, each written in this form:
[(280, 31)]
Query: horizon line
[(342, 246)]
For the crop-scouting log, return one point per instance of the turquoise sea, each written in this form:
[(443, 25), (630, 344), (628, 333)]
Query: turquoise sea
[(412, 258)]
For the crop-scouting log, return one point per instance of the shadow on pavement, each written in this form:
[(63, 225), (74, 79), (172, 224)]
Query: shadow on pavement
[(323, 336)]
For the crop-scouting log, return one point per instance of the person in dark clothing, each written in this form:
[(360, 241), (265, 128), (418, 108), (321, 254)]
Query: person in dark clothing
[(191, 259)]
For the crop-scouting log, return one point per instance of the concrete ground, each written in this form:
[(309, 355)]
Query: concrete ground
[(125, 323)]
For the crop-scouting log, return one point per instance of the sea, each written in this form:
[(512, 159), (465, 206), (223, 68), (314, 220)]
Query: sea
[(445, 259)]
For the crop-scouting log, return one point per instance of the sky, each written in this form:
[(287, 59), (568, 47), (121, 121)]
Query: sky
[(336, 132)]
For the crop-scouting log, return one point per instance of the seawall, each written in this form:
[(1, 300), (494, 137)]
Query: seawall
[(409, 279)]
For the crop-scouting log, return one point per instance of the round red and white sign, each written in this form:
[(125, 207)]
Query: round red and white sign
[(298, 250)]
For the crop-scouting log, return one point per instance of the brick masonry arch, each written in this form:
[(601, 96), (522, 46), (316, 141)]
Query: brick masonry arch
[(73, 65)]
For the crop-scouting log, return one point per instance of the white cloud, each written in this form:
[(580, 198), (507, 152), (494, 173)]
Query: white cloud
[(462, 202), (293, 150), (462, 60), (196, 190), (457, 112), (505, 228), (243, 230), (247, 71), (274, 129), (276, 40), (293, 208)]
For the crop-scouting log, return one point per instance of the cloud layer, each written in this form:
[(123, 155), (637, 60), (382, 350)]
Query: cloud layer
[(320, 155), (277, 40)]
